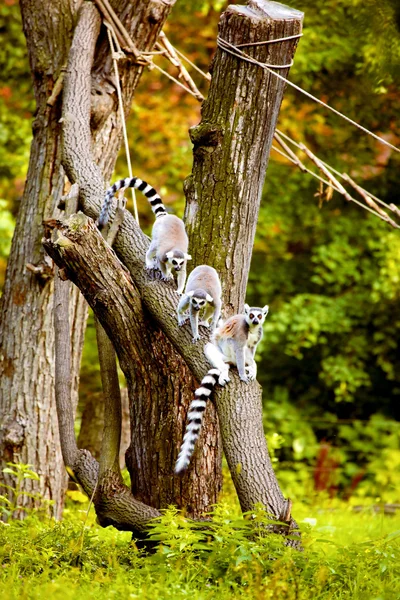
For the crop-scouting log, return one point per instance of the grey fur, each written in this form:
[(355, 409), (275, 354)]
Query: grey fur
[(202, 294), (235, 342), (169, 242)]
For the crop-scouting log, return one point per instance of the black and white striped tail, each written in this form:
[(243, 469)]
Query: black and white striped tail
[(150, 193), (194, 418)]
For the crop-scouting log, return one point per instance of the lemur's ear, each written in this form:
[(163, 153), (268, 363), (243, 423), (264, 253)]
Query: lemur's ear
[(188, 257), (246, 308), (265, 309), (190, 294), (169, 254), (209, 298)]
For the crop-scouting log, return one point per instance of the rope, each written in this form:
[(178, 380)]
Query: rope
[(330, 184), (341, 175), (283, 39), (227, 46), (234, 50), (151, 64), (116, 54)]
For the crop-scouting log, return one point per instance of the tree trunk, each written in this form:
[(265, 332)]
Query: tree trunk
[(231, 150), (29, 431), (91, 430), (117, 298)]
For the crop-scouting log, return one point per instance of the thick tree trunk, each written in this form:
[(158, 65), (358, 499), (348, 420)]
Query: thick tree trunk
[(29, 430), (157, 397), (231, 150), (28, 419), (91, 430), (116, 297)]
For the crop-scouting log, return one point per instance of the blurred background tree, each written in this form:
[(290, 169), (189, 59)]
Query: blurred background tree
[(329, 364)]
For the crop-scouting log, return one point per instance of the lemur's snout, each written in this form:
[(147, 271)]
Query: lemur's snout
[(197, 307), (178, 268)]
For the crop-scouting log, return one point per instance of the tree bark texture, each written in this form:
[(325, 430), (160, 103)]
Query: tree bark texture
[(91, 430), (162, 383), (28, 419), (239, 406), (233, 141), (231, 149), (29, 431)]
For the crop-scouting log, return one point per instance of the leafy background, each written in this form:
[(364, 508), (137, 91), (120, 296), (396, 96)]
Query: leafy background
[(328, 363)]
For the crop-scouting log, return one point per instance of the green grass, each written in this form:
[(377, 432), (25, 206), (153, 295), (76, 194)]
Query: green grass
[(346, 555)]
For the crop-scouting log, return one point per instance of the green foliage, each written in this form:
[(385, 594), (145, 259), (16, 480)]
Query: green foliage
[(16, 100), (346, 554), (12, 503)]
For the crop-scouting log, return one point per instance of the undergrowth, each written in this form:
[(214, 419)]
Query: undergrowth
[(346, 554)]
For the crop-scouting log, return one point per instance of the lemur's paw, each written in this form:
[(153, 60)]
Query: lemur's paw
[(223, 378), (244, 378), (182, 322), (195, 338), (251, 373)]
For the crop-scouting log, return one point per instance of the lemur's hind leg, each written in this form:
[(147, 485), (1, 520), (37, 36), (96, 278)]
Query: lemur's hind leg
[(251, 365), (182, 307), (208, 313), (217, 360)]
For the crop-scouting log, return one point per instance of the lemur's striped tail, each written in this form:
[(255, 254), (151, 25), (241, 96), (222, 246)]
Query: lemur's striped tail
[(150, 193), (194, 419)]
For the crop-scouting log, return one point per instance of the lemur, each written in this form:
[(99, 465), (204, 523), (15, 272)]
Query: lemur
[(234, 342), (202, 293), (169, 242)]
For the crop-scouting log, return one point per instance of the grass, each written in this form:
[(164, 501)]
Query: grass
[(346, 555)]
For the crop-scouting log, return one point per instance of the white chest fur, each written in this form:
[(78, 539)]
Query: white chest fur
[(254, 337)]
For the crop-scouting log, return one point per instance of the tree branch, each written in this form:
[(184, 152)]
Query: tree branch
[(62, 350), (218, 150)]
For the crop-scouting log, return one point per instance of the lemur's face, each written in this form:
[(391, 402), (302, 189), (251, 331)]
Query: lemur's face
[(198, 303), (176, 263), (199, 299), (254, 315), (177, 259)]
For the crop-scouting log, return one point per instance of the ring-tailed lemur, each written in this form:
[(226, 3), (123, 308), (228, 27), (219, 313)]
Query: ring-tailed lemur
[(202, 293), (169, 242), (234, 342), (194, 419)]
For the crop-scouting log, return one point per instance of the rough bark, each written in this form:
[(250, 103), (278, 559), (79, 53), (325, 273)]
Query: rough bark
[(28, 419), (91, 430), (233, 141), (239, 406), (231, 150), (157, 418), (29, 431)]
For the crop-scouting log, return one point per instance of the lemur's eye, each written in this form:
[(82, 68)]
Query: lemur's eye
[(173, 261), (259, 317), (251, 316)]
